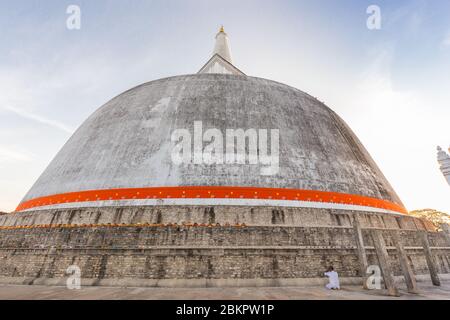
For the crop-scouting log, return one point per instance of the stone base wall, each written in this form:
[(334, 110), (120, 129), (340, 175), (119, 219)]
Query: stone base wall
[(210, 254), (258, 216)]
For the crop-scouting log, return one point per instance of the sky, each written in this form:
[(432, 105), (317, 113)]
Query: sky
[(391, 85)]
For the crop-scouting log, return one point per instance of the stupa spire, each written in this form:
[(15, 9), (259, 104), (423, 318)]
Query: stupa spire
[(222, 46), (221, 61)]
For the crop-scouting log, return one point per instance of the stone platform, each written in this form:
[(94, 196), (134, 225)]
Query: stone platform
[(350, 292), (212, 246)]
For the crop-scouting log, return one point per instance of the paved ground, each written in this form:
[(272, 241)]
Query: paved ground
[(427, 291)]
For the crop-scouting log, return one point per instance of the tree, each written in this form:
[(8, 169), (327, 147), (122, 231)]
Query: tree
[(435, 217)]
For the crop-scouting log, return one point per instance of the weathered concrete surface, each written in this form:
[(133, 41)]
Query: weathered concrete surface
[(383, 260), (350, 292), (430, 259), (361, 249), (126, 143), (408, 274), (205, 255), (446, 231), (277, 247), (143, 246), (257, 216)]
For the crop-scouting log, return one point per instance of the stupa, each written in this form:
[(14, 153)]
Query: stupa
[(215, 178)]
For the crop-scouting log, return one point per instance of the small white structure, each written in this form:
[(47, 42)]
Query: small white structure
[(444, 163), (221, 61), (222, 46)]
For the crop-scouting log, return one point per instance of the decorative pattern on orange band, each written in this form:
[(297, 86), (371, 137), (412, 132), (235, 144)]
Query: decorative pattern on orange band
[(203, 192)]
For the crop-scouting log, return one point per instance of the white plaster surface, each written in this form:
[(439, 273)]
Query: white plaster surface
[(126, 143)]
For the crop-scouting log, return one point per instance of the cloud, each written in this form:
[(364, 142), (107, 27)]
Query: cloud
[(403, 133), (40, 119), (7, 154)]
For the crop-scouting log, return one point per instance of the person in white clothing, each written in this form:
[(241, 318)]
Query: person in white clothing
[(333, 278)]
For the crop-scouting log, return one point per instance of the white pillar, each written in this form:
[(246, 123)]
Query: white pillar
[(222, 47), (444, 163)]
